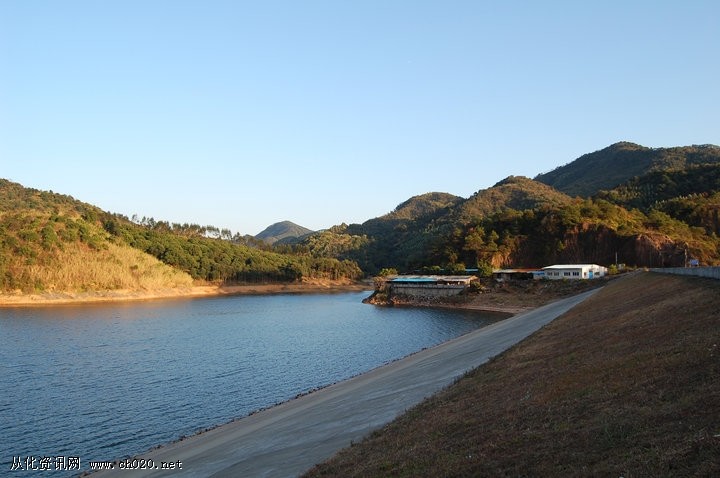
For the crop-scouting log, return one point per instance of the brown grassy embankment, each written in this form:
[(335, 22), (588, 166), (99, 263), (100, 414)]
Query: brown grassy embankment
[(625, 384), (110, 281), (77, 272)]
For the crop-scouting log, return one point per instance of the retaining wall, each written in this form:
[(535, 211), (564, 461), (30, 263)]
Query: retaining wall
[(418, 290), (712, 272)]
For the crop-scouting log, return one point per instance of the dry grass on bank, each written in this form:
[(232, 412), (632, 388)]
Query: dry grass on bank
[(77, 268), (625, 384)]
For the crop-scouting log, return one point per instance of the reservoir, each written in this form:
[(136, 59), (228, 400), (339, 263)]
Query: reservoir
[(101, 382)]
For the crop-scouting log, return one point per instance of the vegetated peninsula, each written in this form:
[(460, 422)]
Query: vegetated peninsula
[(624, 204)]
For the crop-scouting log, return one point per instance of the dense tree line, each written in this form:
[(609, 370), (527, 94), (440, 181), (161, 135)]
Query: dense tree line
[(216, 259)]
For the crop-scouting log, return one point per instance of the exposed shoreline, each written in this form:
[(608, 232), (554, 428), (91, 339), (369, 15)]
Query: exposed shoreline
[(51, 299), (199, 291)]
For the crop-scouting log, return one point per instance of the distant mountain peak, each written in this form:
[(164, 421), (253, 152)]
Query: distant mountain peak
[(282, 230)]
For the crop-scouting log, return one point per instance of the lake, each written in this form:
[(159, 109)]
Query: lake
[(100, 382)]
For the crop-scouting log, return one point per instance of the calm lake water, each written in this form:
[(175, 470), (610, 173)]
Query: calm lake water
[(101, 382)]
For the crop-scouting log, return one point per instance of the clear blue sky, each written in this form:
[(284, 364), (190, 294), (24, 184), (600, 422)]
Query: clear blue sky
[(240, 114)]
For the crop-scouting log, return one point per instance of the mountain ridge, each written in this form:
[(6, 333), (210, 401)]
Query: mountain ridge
[(523, 222)]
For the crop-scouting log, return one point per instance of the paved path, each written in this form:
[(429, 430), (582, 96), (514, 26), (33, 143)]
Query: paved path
[(290, 438)]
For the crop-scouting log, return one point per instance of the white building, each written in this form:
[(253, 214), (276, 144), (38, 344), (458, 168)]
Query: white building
[(573, 271)]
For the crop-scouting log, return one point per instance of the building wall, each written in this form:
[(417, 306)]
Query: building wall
[(559, 274), (426, 290), (575, 273)]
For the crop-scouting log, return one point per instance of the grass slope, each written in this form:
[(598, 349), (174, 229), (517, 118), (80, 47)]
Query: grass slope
[(626, 384), (53, 243), (79, 268)]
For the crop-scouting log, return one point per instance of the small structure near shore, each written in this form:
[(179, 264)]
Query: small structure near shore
[(501, 275), (428, 286), (574, 271)]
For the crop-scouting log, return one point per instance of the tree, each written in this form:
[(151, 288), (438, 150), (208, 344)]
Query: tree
[(387, 271), (484, 269)]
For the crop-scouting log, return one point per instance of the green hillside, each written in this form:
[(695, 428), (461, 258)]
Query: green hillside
[(612, 166), (661, 210), (52, 242), (403, 236), (410, 214), (515, 192)]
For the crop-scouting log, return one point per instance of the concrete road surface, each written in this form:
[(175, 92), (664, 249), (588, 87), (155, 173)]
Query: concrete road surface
[(290, 438)]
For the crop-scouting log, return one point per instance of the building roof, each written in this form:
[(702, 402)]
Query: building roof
[(430, 279), (570, 266), (514, 271), (414, 279)]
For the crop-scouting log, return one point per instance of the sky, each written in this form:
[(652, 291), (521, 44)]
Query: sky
[(240, 114)]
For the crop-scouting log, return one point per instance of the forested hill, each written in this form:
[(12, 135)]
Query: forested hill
[(418, 209), (625, 203), (405, 232), (612, 166), (285, 231), (515, 192), (52, 242)]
